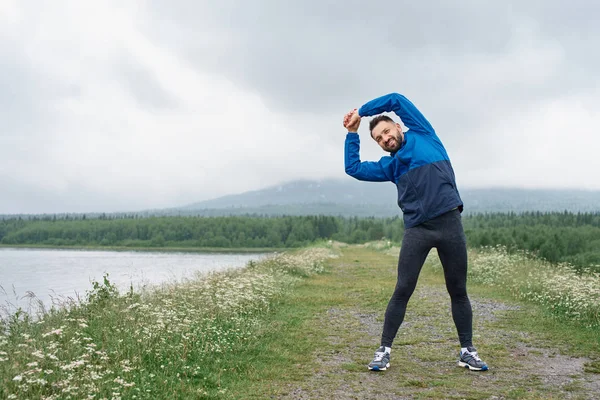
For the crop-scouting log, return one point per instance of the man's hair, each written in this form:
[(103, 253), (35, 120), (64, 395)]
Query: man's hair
[(377, 120)]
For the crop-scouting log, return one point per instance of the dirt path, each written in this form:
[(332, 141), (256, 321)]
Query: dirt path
[(423, 364)]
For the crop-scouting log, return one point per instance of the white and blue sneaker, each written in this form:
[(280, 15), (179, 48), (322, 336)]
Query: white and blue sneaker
[(381, 362), (470, 359)]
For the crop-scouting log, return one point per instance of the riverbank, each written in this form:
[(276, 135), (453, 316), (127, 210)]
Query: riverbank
[(174, 249), (170, 342)]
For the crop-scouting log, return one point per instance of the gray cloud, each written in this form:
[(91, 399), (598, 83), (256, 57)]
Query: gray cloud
[(315, 55), (143, 85), (190, 100), (23, 97)]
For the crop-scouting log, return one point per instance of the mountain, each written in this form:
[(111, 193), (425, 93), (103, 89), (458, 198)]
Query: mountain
[(350, 198), (354, 198), (307, 192)]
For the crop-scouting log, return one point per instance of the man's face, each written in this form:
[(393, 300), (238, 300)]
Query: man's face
[(388, 136)]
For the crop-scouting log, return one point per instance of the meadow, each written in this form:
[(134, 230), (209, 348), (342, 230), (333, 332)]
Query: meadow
[(213, 336)]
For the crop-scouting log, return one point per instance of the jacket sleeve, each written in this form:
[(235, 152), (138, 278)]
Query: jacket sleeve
[(402, 107), (373, 171)]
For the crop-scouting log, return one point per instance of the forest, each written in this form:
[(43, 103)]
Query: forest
[(557, 237)]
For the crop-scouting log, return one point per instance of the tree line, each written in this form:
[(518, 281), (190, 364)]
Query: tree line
[(221, 232), (557, 237)]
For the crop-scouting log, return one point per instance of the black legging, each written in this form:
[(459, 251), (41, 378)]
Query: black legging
[(447, 235)]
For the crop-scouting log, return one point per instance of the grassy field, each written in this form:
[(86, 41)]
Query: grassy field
[(304, 326), (172, 342)]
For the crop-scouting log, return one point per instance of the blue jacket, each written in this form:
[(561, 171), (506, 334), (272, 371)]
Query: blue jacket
[(421, 168)]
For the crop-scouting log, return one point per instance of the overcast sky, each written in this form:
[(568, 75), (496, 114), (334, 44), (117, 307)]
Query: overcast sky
[(130, 105)]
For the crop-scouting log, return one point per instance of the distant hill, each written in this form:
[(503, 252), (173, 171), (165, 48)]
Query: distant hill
[(354, 198), (362, 199), (307, 192)]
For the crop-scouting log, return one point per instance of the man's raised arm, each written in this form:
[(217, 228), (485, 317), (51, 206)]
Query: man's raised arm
[(373, 171), (367, 170), (402, 107)]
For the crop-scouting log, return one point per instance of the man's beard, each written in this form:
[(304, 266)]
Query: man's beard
[(397, 142)]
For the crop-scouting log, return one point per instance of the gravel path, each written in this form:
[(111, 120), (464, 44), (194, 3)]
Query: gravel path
[(424, 357)]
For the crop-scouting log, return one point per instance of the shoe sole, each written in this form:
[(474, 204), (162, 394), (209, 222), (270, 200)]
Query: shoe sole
[(471, 368), (379, 369)]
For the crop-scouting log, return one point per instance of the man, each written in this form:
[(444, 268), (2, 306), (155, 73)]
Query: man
[(420, 167)]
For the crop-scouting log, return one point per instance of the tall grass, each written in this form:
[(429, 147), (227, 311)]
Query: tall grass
[(562, 289), (171, 342)]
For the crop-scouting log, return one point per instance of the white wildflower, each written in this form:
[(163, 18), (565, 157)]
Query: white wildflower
[(57, 332), (72, 365)]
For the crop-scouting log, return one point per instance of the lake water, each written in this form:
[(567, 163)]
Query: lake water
[(60, 274)]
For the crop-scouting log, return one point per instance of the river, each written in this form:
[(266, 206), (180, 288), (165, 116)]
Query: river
[(56, 275)]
